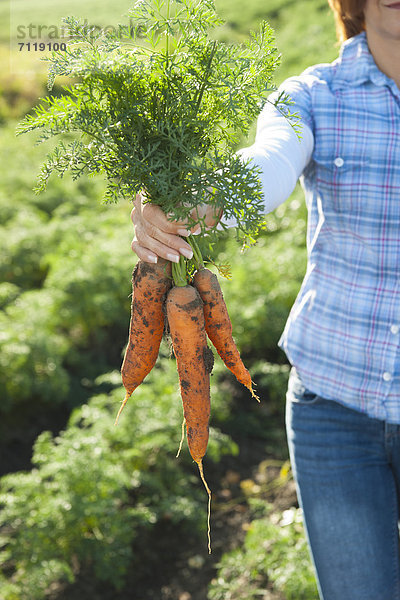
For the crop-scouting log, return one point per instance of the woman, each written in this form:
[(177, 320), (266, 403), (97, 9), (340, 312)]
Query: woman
[(342, 336)]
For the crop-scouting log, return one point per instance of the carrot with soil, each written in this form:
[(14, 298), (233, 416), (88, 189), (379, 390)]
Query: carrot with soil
[(194, 362), (217, 322), (150, 284)]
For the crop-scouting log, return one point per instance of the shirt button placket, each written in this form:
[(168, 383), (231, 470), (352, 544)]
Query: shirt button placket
[(387, 376)]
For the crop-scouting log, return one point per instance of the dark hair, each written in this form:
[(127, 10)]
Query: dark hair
[(349, 17)]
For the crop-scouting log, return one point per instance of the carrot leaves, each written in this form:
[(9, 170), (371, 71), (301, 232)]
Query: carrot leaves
[(159, 106)]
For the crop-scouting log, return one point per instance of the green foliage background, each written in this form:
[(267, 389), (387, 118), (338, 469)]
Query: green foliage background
[(81, 500)]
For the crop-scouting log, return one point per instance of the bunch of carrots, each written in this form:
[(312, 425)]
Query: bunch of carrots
[(193, 310), (160, 107)]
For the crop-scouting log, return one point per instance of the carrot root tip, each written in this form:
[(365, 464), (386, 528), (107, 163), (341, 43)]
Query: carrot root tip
[(254, 395), (200, 465), (251, 388), (124, 401), (182, 438)]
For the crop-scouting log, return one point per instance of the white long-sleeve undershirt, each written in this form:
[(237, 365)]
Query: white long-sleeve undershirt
[(280, 154)]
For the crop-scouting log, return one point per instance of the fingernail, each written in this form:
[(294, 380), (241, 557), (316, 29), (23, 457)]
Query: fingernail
[(152, 258), (196, 231), (173, 257), (183, 232), (186, 252)]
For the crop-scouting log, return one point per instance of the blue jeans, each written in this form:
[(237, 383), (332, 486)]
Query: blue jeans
[(346, 466)]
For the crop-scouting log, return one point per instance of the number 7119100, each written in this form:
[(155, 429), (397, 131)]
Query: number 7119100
[(42, 46)]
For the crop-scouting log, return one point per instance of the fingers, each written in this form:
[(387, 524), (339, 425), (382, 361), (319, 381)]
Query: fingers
[(209, 215), (156, 236), (143, 253), (160, 243), (156, 217)]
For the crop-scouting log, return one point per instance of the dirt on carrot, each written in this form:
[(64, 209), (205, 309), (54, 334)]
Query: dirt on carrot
[(150, 284), (193, 357), (218, 325), (189, 341)]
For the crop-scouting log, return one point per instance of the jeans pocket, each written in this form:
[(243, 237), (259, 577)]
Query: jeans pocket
[(297, 391)]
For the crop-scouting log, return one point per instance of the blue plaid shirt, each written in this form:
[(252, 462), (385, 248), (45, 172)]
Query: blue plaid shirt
[(343, 332)]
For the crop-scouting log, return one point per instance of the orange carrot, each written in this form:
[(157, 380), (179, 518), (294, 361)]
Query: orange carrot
[(194, 362), (150, 284), (218, 325)]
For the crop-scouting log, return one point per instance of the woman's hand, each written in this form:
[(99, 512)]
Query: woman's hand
[(156, 236)]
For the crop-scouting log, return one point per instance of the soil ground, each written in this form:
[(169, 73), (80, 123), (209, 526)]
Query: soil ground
[(184, 569)]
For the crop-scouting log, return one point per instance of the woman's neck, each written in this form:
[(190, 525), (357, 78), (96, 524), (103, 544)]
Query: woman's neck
[(386, 53)]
